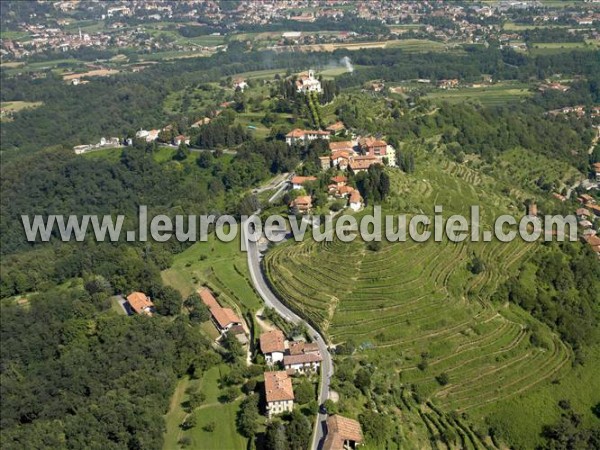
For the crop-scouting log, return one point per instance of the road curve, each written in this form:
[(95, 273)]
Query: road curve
[(271, 300)]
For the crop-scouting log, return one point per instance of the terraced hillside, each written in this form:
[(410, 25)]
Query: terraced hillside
[(415, 309)]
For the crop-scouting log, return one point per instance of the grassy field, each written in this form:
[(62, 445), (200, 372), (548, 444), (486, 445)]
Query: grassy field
[(224, 435), (9, 108), (409, 299), (544, 48), (493, 95), (409, 45), (222, 265)]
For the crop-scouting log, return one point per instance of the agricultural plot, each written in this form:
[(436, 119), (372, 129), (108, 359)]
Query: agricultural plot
[(417, 310), (489, 95)]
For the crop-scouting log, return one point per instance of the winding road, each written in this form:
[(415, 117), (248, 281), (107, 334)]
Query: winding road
[(271, 300)]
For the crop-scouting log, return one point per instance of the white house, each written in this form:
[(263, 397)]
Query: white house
[(307, 82), (355, 200), (305, 136), (279, 393), (303, 363), (272, 345)]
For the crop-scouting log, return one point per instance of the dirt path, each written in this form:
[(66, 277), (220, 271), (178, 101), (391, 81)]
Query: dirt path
[(266, 327)]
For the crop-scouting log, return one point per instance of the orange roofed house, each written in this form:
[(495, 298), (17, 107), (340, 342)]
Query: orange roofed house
[(301, 205), (298, 181), (272, 345), (596, 168), (140, 303), (279, 393), (342, 433), (223, 318)]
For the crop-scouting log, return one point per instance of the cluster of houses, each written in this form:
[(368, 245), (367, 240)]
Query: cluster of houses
[(300, 357), (578, 111), (355, 156), (104, 143), (588, 211), (152, 135), (296, 358), (338, 188), (358, 155)]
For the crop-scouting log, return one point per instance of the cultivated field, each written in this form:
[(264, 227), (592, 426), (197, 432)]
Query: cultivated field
[(493, 95), (410, 302)]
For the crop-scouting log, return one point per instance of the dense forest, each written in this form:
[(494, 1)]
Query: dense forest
[(76, 375)]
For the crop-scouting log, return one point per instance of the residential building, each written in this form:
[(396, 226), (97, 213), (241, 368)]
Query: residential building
[(279, 393), (305, 136), (342, 433), (298, 181), (224, 319), (272, 345), (240, 83), (325, 162), (301, 205), (356, 201), (362, 163), (140, 303), (347, 146), (306, 82), (303, 363), (336, 128), (372, 147), (448, 84), (181, 139), (199, 123), (596, 169)]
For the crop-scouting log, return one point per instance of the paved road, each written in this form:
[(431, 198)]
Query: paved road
[(271, 300)]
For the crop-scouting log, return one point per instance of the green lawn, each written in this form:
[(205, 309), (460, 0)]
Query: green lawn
[(222, 265), (225, 434)]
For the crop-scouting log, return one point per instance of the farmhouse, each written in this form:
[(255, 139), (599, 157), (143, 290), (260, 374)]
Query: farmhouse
[(448, 84), (342, 433), (304, 136), (306, 82), (302, 357), (298, 181), (223, 318), (140, 303), (301, 205), (181, 139), (272, 345), (279, 393), (303, 363)]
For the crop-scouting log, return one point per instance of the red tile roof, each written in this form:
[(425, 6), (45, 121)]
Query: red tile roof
[(363, 162), (301, 180), (339, 179), (278, 386), (207, 298), (355, 196), (340, 429), (299, 348), (304, 358), (344, 145), (335, 127), (273, 341), (140, 303), (225, 316)]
